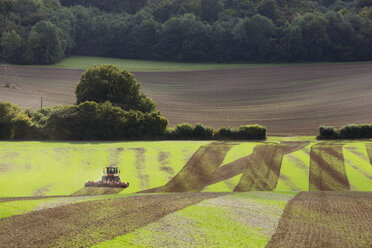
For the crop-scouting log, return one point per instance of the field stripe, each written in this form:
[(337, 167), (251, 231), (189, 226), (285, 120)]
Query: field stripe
[(358, 167), (199, 170), (235, 220), (263, 168), (88, 223), (327, 169), (294, 173), (369, 151), (233, 169), (326, 219)]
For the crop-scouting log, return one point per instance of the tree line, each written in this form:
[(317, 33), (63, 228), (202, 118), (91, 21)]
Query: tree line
[(110, 106), (351, 131), (45, 31)]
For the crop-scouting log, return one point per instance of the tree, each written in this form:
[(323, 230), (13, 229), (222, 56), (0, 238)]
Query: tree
[(109, 83), (11, 44), (211, 9), (46, 43), (314, 36), (268, 8), (256, 35), (185, 38)]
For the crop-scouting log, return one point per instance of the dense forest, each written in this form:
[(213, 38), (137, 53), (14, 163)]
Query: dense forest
[(45, 31)]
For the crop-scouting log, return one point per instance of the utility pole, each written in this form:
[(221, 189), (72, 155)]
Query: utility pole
[(41, 103)]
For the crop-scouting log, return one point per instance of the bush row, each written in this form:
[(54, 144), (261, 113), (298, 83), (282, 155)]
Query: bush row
[(199, 132), (104, 121), (351, 131)]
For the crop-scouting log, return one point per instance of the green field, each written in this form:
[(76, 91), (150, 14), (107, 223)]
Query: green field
[(47, 168), (61, 168), (84, 62)]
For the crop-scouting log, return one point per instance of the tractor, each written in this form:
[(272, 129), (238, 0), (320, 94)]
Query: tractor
[(110, 179)]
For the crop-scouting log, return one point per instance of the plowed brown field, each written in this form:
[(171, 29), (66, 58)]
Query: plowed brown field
[(87, 223), (327, 169), (326, 219), (289, 100)]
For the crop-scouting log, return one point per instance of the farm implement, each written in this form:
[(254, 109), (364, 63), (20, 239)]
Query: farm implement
[(110, 179)]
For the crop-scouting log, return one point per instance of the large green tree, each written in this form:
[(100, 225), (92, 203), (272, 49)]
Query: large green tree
[(110, 83), (11, 44), (46, 43)]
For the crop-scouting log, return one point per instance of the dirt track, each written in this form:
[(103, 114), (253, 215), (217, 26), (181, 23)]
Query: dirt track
[(327, 220), (289, 100), (88, 223), (327, 168)]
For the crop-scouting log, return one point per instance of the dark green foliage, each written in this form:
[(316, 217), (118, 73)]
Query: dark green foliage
[(129, 6), (186, 131), (347, 132), (252, 132), (356, 131), (14, 124), (43, 32), (182, 131), (201, 132), (46, 43), (109, 83), (247, 132), (364, 3), (328, 133), (11, 44), (93, 121)]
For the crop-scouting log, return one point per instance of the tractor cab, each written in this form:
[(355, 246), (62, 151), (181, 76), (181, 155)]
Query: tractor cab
[(109, 179), (111, 171)]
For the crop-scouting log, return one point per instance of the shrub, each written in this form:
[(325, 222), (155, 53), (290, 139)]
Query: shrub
[(182, 131), (351, 131), (356, 131), (251, 132), (14, 124), (247, 132), (326, 132), (201, 132)]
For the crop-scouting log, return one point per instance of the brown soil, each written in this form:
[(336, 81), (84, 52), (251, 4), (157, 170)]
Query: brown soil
[(88, 223), (326, 219), (115, 156), (140, 168), (289, 100), (263, 169), (199, 170), (97, 191), (327, 169)]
